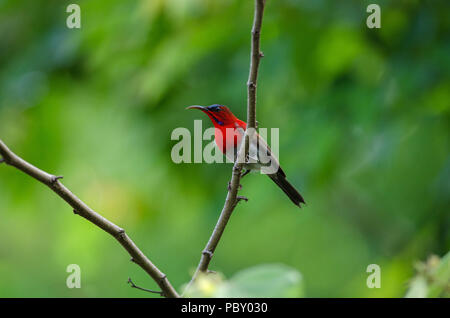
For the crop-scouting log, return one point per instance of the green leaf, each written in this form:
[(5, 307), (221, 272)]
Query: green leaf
[(268, 280), (418, 288), (440, 284), (432, 279)]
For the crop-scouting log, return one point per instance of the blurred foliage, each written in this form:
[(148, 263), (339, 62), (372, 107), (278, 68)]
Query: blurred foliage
[(364, 120), (432, 279), (267, 280)]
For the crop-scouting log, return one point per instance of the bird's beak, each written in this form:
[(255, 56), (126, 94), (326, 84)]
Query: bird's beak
[(202, 108)]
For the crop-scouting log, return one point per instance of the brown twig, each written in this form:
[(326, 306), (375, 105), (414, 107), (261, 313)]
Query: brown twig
[(133, 285), (80, 208), (232, 199), (256, 56)]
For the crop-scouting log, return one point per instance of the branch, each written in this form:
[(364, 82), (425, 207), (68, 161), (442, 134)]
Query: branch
[(256, 56), (80, 208), (232, 199), (133, 285)]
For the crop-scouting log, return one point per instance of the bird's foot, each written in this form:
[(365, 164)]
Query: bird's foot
[(246, 172)]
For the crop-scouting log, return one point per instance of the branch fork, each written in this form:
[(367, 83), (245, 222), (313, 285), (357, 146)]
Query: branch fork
[(232, 199), (82, 209)]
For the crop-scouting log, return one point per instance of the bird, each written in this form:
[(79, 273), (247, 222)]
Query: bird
[(229, 131)]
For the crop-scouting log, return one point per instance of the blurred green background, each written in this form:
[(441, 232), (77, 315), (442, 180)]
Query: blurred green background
[(364, 120)]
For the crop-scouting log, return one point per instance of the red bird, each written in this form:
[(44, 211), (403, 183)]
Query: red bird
[(229, 131)]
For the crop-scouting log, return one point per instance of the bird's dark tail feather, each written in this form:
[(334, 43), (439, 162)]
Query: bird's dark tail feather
[(287, 188)]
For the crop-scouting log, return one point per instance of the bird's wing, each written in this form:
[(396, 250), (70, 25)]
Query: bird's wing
[(261, 155), (264, 147)]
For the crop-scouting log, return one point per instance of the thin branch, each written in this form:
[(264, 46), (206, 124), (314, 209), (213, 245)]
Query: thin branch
[(133, 285), (80, 208), (256, 56), (232, 199)]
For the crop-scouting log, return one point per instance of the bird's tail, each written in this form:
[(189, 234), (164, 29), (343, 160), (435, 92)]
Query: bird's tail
[(287, 188)]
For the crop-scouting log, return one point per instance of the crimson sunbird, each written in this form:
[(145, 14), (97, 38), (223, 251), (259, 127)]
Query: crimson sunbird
[(229, 131)]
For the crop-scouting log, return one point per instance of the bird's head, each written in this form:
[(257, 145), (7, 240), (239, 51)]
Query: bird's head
[(220, 115)]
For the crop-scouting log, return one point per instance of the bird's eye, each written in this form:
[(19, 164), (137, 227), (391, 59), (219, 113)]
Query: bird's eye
[(214, 108)]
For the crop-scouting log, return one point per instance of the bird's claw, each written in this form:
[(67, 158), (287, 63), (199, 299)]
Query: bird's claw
[(247, 171)]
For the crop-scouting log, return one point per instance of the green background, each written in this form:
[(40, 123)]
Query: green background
[(364, 120)]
